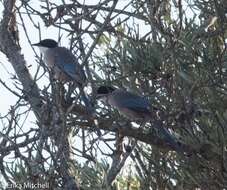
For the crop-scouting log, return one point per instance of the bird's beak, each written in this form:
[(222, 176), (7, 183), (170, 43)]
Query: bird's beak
[(37, 44)]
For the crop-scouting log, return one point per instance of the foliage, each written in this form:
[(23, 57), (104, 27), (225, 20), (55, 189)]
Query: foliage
[(172, 52)]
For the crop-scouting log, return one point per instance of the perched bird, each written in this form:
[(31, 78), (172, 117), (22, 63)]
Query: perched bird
[(64, 65), (62, 62), (134, 107), (128, 104)]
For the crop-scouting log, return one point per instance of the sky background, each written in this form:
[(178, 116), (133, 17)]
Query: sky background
[(6, 70)]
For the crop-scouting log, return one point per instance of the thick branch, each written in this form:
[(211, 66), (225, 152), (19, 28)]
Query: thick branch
[(129, 131), (10, 47)]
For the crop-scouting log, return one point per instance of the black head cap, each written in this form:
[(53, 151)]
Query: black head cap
[(105, 89), (48, 43)]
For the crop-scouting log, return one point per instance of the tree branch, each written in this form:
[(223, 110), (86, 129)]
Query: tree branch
[(10, 47)]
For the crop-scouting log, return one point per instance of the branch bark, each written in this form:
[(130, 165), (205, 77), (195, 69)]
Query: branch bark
[(9, 45)]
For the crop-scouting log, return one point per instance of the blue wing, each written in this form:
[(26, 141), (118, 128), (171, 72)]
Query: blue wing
[(131, 101), (68, 63)]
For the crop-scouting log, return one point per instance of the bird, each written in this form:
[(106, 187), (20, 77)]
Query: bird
[(128, 104), (64, 65), (133, 107)]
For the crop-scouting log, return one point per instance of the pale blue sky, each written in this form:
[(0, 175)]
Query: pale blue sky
[(6, 70)]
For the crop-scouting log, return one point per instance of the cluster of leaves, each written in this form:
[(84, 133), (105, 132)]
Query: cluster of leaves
[(184, 74)]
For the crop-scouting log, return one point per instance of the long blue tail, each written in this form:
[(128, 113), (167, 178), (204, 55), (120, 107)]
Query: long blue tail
[(173, 142)]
